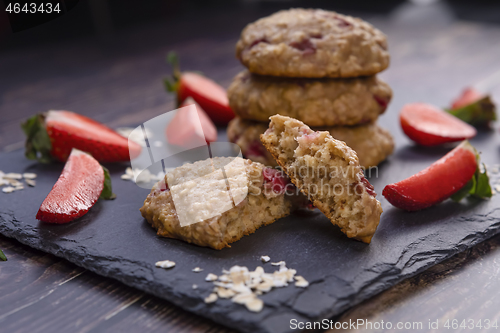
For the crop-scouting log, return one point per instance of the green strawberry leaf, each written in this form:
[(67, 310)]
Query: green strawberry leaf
[(172, 82), (2, 256), (37, 146), (478, 113), (478, 187), (107, 191)]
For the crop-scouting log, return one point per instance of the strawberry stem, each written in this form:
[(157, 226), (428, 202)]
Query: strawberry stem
[(2, 256), (172, 82), (37, 144), (107, 191), (478, 113)]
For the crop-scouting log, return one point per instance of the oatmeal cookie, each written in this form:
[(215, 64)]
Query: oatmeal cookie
[(328, 172), (218, 215), (312, 43), (316, 102), (372, 143)]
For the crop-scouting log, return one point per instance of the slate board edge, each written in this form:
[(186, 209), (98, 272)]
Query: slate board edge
[(149, 286)]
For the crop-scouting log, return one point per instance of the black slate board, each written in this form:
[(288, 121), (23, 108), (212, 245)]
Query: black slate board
[(114, 240)]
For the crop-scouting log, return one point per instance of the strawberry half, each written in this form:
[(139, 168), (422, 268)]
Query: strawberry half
[(184, 131), (81, 183), (209, 95), (429, 126), (55, 133), (444, 178), (474, 108), (468, 96)]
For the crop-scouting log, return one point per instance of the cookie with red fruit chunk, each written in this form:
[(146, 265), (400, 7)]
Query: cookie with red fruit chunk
[(209, 95), (52, 135), (473, 107), (82, 182), (316, 102), (455, 175), (429, 126), (312, 43), (327, 171), (200, 204)]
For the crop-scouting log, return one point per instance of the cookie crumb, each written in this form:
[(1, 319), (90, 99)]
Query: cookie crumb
[(165, 264), (265, 258), (197, 269)]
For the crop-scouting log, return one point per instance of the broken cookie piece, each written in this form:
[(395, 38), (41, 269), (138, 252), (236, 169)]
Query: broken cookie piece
[(328, 172), (215, 202)]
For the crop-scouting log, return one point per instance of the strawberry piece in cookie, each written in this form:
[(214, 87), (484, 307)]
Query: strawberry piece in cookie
[(328, 172)]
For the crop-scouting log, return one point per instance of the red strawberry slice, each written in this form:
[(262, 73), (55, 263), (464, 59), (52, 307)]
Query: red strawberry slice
[(184, 129), (429, 126), (438, 182), (56, 133), (75, 192), (275, 180), (208, 94), (469, 96)]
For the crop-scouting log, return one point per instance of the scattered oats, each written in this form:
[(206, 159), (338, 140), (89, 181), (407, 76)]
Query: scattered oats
[(8, 189), (224, 292), (165, 264), (279, 263), (4, 182), (29, 175), (19, 187), (265, 258), (301, 282), (224, 278), (211, 277), (126, 177), (497, 188), (211, 298), (197, 269), (30, 182), (255, 305), (14, 182), (243, 298), (12, 175), (195, 286)]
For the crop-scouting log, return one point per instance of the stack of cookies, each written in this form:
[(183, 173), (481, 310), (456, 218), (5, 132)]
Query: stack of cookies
[(316, 66)]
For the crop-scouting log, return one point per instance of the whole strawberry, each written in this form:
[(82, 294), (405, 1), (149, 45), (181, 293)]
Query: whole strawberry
[(52, 135)]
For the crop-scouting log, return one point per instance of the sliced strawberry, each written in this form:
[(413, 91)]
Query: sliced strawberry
[(211, 97), (184, 128), (208, 94), (56, 133), (78, 188), (469, 96), (429, 126), (474, 108), (438, 182)]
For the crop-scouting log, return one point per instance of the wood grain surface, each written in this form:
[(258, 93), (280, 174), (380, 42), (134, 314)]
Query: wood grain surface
[(119, 82)]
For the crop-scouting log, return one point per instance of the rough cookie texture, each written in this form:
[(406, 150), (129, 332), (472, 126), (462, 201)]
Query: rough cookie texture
[(316, 102), (372, 143), (312, 43), (328, 172), (262, 206)]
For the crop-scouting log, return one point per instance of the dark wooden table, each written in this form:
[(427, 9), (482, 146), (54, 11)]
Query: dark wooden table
[(118, 81)]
